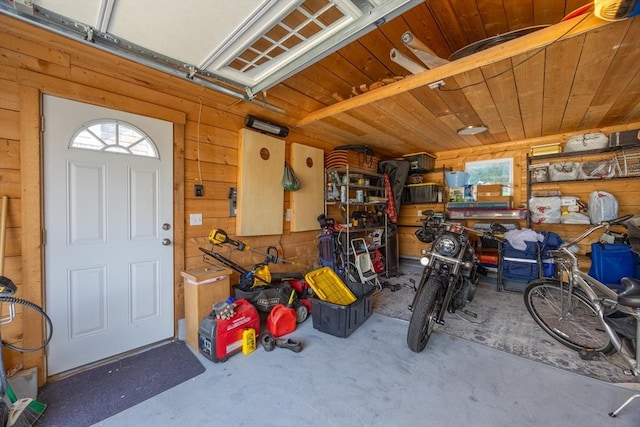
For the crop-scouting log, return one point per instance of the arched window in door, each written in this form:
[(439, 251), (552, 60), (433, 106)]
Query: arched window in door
[(114, 136)]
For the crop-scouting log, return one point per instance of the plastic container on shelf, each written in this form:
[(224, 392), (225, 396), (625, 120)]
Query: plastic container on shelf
[(420, 161), (457, 178), (424, 193)]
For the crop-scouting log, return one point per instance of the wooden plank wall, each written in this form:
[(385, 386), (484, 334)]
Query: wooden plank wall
[(33, 61)]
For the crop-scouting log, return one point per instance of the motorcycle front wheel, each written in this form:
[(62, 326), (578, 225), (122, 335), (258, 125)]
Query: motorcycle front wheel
[(570, 318), (423, 318)]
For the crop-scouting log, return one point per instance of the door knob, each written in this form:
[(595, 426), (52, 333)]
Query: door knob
[(166, 242)]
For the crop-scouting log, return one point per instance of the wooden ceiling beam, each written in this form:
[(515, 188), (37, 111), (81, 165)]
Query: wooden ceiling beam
[(530, 42)]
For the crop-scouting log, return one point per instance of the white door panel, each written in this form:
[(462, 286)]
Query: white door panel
[(109, 277)]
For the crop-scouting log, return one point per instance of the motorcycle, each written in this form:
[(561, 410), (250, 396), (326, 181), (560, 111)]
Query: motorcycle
[(449, 277)]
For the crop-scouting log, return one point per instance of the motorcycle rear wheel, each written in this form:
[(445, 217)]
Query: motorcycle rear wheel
[(577, 326), (423, 318)]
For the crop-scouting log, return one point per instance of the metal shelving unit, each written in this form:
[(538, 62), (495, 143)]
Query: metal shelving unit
[(361, 206), (547, 159)]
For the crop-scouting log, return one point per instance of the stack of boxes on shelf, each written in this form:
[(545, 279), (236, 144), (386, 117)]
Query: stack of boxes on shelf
[(417, 191), (493, 195), (468, 201)]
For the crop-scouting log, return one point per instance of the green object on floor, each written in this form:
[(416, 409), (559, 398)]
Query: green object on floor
[(23, 412)]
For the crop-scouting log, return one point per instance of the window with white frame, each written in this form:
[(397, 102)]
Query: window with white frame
[(494, 171), (114, 136)]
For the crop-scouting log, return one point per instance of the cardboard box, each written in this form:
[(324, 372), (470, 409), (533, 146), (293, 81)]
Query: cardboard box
[(568, 200), (456, 194), (467, 193), (487, 193), (570, 208), (203, 287), (490, 190)]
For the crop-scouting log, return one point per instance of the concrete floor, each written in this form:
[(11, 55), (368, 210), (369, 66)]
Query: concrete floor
[(372, 379)]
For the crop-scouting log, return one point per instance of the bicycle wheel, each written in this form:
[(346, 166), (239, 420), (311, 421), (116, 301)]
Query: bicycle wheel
[(571, 319)]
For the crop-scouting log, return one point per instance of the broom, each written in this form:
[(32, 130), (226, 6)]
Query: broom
[(23, 412)]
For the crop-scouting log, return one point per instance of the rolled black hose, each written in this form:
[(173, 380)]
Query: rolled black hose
[(13, 300)]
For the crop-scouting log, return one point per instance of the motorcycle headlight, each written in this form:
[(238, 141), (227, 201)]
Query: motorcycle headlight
[(424, 261), (447, 245)]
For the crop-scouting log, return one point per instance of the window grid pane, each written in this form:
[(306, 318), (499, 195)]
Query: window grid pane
[(114, 136), (302, 23)]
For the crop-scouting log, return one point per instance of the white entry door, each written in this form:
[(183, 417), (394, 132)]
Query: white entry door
[(108, 231)]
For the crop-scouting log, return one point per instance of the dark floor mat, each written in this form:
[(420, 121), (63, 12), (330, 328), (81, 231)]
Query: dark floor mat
[(91, 396)]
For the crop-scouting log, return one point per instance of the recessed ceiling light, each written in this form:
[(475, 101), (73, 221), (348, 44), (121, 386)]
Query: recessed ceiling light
[(472, 130)]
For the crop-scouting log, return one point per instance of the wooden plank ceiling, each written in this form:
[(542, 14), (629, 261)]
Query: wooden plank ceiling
[(575, 75)]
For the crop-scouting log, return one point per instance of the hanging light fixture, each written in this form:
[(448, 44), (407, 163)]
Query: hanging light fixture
[(265, 126), (472, 130)]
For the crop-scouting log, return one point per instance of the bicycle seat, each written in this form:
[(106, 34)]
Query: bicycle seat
[(631, 294)]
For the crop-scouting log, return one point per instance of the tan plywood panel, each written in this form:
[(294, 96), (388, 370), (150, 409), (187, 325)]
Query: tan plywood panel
[(260, 192), (308, 202)]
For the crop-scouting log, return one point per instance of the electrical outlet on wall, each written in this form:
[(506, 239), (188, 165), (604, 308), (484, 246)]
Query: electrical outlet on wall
[(195, 219), (419, 212)]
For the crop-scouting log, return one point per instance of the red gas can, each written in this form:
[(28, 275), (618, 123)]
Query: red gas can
[(281, 320)]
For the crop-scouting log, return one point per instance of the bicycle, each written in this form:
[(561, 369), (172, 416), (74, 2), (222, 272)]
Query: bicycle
[(585, 315)]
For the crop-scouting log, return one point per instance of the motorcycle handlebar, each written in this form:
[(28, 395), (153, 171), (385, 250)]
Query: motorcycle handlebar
[(495, 233)]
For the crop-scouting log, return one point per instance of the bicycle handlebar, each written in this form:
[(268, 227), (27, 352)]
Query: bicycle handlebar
[(602, 224)]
